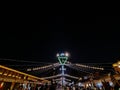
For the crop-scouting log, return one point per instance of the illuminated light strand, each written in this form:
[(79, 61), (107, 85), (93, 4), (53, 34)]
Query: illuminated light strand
[(43, 67), (71, 76), (59, 75), (53, 76), (59, 79), (85, 66), (74, 67)]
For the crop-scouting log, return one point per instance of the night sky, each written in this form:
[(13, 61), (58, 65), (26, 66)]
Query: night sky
[(87, 39)]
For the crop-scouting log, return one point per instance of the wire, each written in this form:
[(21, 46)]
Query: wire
[(45, 62), (26, 61)]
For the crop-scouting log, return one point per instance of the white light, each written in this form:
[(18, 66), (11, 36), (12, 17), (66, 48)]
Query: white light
[(119, 66), (57, 55), (66, 54)]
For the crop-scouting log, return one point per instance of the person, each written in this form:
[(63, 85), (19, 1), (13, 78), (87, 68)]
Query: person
[(46, 86), (41, 87), (116, 87), (76, 88), (52, 87), (21, 88), (73, 88), (68, 88), (65, 87), (107, 86)]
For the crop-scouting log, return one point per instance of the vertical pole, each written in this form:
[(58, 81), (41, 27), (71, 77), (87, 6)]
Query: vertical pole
[(63, 75), (62, 59), (63, 70)]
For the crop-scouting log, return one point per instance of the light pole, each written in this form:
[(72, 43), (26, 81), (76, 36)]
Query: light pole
[(62, 57)]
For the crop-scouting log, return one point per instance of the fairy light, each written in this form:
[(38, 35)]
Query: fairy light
[(43, 67), (86, 66)]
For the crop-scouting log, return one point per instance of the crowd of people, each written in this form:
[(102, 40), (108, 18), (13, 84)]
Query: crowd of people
[(56, 86), (105, 86)]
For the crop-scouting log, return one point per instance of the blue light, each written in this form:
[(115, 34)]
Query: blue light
[(62, 54)]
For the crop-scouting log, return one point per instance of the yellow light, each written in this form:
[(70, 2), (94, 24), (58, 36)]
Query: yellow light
[(24, 77), (118, 62), (20, 72), (1, 73), (115, 64), (86, 85), (5, 74), (19, 77), (119, 66), (10, 75), (2, 84), (13, 76)]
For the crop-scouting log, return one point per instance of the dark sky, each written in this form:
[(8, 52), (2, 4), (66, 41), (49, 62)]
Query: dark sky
[(87, 39)]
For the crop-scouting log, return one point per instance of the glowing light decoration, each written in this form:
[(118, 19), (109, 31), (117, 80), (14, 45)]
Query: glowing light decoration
[(43, 67), (62, 57), (1, 85), (62, 54), (119, 66), (85, 66), (57, 55), (66, 54)]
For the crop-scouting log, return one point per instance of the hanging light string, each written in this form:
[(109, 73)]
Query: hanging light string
[(59, 75), (90, 67), (67, 75), (59, 79), (50, 77), (44, 67), (88, 64), (24, 61), (76, 68)]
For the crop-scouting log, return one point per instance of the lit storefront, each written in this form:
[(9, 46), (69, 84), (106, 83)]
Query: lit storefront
[(12, 79)]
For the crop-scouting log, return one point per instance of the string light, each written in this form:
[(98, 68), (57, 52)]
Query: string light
[(43, 67), (74, 67), (52, 76), (86, 66), (71, 76), (59, 75)]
